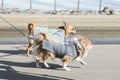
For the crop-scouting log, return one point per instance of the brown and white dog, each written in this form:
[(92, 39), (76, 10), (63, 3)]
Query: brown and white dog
[(30, 37), (68, 28), (42, 54)]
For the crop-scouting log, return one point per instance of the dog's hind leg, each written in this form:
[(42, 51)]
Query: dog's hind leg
[(65, 60), (46, 65), (28, 49), (48, 56)]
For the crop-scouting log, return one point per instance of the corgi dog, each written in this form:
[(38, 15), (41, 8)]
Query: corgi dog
[(43, 53), (66, 28)]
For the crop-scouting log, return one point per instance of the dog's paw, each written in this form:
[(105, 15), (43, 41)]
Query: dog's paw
[(47, 66), (28, 55), (83, 63), (37, 65), (67, 69)]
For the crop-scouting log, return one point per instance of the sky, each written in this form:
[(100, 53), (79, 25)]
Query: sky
[(61, 4)]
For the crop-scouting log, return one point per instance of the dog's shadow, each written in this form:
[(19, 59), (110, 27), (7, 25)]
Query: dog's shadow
[(26, 64), (51, 66), (9, 73), (30, 65), (12, 52), (55, 66)]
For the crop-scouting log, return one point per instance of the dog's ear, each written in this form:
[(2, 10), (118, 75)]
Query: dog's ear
[(65, 24)]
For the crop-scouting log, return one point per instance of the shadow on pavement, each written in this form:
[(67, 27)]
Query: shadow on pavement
[(13, 52), (29, 64), (7, 72)]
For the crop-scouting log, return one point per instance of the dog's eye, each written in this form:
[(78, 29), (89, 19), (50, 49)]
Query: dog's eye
[(74, 28)]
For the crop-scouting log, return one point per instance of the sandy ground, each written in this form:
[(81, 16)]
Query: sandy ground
[(91, 26), (102, 64)]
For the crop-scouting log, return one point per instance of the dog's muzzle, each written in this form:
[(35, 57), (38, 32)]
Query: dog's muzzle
[(73, 32)]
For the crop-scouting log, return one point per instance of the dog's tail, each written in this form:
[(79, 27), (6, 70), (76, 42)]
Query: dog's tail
[(40, 38), (31, 26)]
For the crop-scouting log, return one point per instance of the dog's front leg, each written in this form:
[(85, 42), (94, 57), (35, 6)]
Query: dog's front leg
[(80, 60), (28, 49), (65, 67)]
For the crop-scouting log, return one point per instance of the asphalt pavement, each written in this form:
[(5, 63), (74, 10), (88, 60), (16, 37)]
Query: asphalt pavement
[(102, 64)]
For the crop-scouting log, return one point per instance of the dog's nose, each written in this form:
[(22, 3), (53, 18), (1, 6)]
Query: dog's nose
[(73, 32)]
